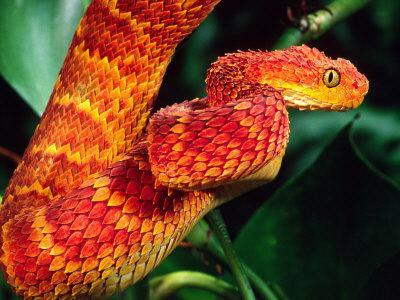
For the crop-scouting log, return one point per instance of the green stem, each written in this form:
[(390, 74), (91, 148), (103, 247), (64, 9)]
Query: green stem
[(219, 228), (200, 239), (319, 22), (163, 286)]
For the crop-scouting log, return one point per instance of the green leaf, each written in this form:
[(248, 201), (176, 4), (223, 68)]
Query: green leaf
[(35, 35), (325, 231)]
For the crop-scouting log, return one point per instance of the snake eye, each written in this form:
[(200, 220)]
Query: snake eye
[(331, 78)]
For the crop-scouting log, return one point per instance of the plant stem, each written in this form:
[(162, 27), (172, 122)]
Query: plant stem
[(200, 239), (10, 155), (218, 226), (163, 286), (319, 22)]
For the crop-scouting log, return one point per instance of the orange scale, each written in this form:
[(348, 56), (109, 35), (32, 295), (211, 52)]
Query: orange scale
[(222, 138), (91, 277), (80, 222), (105, 263), (147, 193), (118, 171), (53, 214), (223, 111), (120, 237), (269, 111), (58, 277), (169, 216), (186, 136), (47, 242), (19, 271), (196, 126), (112, 216), (30, 279), (146, 209), (133, 187), (268, 124), (19, 255), (84, 206), (173, 156), (123, 222), (119, 251), (185, 161), (89, 264), (33, 250), (118, 183), (89, 248), (217, 121), (134, 237), (105, 250), (171, 138), (235, 153), (36, 235), (75, 238), (62, 232), (249, 155), (30, 265), (261, 145), (132, 205), (92, 230), (101, 194), (43, 273), (242, 132), (69, 204), (45, 287), (208, 133), (213, 172), (237, 116), (147, 225), (39, 222), (157, 214), (248, 144), (86, 193), (57, 263), (216, 162), (106, 235), (117, 198), (134, 224), (229, 127), (243, 166), (61, 289)]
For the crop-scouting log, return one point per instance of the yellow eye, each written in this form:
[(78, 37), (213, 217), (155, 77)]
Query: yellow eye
[(331, 78)]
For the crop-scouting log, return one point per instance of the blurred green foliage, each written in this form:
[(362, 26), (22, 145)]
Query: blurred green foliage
[(329, 232)]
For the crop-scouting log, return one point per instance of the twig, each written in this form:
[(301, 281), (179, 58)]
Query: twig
[(320, 21), (201, 240), (219, 228), (10, 154), (163, 286)]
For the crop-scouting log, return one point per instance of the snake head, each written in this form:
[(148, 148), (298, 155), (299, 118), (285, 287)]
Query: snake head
[(310, 80)]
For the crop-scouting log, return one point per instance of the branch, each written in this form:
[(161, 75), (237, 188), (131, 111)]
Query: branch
[(163, 286), (10, 155), (219, 228), (319, 22), (200, 238)]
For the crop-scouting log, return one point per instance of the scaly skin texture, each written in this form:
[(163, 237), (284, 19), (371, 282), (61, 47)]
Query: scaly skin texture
[(99, 200)]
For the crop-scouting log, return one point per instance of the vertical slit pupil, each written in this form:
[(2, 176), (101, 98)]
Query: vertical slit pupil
[(330, 76)]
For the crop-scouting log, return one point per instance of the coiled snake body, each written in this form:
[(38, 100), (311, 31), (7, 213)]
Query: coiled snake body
[(102, 195)]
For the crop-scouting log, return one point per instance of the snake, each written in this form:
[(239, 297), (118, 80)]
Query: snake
[(106, 188)]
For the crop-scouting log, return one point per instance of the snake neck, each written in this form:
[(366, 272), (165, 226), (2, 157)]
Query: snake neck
[(237, 188)]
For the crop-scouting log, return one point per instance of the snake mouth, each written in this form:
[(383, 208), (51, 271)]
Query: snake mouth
[(298, 100)]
